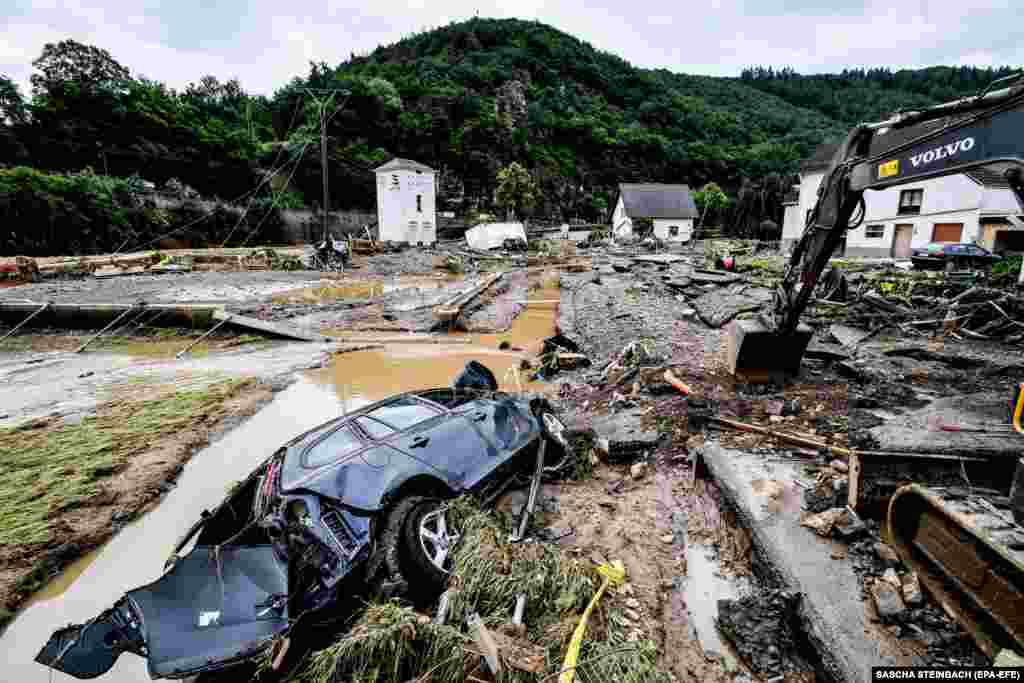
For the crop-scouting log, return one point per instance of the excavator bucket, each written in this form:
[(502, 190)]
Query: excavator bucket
[(756, 352)]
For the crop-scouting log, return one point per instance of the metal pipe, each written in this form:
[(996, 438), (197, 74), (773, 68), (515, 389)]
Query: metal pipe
[(534, 489), (204, 336), (22, 323), (109, 325)]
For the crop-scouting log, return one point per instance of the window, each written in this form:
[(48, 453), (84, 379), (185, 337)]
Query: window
[(910, 201), (419, 203), (673, 231), (332, 447), (375, 428), (874, 232), (404, 413)]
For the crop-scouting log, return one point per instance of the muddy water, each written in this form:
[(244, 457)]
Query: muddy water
[(374, 374), (703, 587), (337, 290), (136, 555)]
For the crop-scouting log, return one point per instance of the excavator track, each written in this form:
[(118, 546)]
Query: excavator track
[(969, 555)]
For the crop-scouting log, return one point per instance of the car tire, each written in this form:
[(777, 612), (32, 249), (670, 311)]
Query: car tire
[(425, 547)]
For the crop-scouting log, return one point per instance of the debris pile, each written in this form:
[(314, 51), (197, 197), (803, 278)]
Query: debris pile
[(478, 639)]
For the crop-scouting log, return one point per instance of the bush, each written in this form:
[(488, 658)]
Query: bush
[(1005, 272)]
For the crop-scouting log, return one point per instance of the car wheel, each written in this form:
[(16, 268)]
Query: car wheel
[(427, 544)]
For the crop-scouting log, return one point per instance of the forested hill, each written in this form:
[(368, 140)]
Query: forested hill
[(861, 95), (468, 99)]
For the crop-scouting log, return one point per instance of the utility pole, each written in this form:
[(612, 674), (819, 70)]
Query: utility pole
[(325, 118)]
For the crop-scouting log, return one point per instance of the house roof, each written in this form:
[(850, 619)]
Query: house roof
[(988, 178), (652, 200), (821, 158), (399, 164)]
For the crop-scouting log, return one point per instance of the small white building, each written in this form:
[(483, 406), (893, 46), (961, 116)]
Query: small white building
[(406, 202), (670, 209), (977, 206)]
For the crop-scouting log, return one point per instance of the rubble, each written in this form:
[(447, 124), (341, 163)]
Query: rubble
[(887, 601), (911, 587), (886, 554), (759, 628), (622, 436)]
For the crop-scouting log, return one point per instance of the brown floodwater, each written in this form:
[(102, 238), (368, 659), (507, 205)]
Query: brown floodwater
[(135, 556), (373, 374), (330, 290)]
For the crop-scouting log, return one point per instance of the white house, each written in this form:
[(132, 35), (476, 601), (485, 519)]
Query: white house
[(977, 206), (406, 201), (669, 207)]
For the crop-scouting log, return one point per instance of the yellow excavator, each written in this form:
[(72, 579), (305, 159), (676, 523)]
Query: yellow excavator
[(967, 549)]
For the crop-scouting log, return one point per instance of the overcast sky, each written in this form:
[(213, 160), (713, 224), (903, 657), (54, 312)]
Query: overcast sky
[(264, 43)]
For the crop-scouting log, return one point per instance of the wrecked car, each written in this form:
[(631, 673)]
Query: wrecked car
[(352, 507)]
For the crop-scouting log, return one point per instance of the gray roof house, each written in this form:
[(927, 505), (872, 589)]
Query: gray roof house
[(399, 164), (669, 207)]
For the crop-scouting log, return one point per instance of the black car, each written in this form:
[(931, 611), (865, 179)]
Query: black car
[(354, 506), (952, 256)]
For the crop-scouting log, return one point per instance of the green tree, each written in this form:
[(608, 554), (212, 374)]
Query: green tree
[(70, 61), (12, 104), (516, 190), (710, 198)]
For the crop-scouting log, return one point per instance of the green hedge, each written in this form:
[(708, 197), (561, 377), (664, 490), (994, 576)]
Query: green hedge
[(44, 214)]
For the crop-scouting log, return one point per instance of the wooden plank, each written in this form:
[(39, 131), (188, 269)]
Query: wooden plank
[(450, 310), (854, 482)]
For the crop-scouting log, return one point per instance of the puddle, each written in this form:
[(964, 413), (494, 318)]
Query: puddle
[(377, 373), (136, 555), (703, 587)]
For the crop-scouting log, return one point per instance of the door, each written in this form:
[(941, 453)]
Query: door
[(901, 241), (947, 232)]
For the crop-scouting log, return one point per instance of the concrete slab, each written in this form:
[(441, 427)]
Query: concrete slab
[(831, 611)]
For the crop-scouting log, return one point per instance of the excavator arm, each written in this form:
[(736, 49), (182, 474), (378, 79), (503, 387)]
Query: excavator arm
[(982, 131)]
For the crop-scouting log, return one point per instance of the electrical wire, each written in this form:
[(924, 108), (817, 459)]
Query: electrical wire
[(252, 199), (298, 162), (238, 199)]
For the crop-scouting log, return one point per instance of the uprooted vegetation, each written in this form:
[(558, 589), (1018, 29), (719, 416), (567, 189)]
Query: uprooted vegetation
[(392, 643)]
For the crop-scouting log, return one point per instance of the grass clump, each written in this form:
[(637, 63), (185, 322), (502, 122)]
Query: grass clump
[(392, 643), (51, 467)]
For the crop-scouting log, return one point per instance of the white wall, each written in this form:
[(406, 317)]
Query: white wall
[(621, 224), (661, 226), (1000, 201), (859, 245), (941, 195), (796, 217), (397, 215)]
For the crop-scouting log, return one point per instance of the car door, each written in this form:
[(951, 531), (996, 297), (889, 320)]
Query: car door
[(427, 432)]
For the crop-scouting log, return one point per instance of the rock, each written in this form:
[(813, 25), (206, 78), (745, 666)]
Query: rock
[(638, 470), (632, 614), (849, 525), (823, 522), (773, 407), (887, 601), (623, 437), (911, 586), (892, 579), (633, 603), (791, 407), (839, 466), (730, 664), (667, 538), (775, 418), (886, 554)]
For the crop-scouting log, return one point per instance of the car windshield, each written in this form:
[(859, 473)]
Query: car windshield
[(404, 413), (375, 428)]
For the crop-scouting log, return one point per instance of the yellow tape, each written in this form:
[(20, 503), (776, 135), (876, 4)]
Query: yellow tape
[(1017, 411), (614, 574)]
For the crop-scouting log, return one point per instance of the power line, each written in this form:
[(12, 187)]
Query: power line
[(251, 193), (298, 162)]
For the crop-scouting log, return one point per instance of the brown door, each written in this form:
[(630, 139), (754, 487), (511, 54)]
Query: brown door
[(901, 241), (947, 232)]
